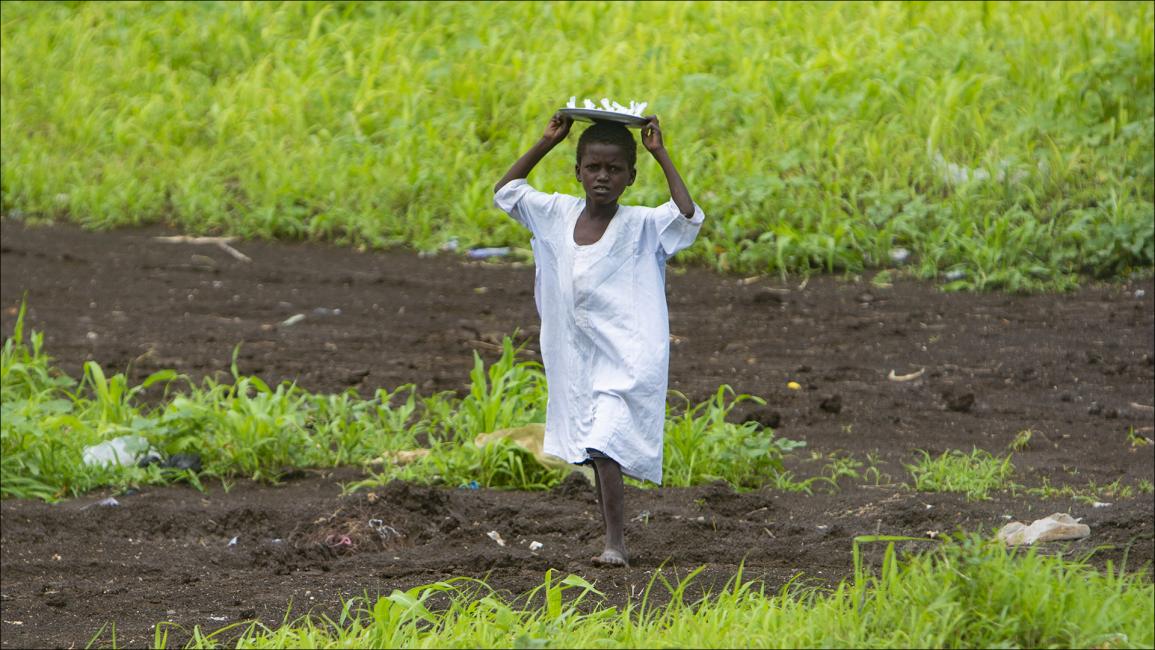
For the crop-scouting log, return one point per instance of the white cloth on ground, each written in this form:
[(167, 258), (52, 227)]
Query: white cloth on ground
[(605, 333)]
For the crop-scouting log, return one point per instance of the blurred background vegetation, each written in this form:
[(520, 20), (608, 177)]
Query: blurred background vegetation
[(986, 145)]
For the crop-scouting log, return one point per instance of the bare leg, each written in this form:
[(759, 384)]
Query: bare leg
[(611, 497)]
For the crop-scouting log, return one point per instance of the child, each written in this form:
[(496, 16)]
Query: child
[(600, 293)]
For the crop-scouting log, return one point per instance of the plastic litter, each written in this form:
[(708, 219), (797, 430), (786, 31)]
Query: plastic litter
[(176, 461), (184, 461), (292, 320), (472, 485), (899, 255), (233, 541), (110, 502), (339, 541), (383, 530), (123, 451), (496, 536), (531, 438), (1056, 527), (325, 311), (951, 276), (483, 253), (535, 545)]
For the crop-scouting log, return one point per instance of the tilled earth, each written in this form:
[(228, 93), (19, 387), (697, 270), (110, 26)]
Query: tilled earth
[(1074, 369)]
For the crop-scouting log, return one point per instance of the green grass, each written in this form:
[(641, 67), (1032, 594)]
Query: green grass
[(966, 593), (818, 136), (975, 474), (246, 428)]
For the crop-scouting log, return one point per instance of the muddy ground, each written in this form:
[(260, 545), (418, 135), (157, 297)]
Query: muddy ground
[(1075, 369)]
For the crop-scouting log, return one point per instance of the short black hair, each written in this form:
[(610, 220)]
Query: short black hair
[(609, 133)]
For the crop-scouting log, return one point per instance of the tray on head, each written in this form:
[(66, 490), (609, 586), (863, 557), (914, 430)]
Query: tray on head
[(598, 115)]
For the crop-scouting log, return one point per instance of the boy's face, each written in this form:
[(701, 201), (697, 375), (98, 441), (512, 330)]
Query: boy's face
[(604, 172)]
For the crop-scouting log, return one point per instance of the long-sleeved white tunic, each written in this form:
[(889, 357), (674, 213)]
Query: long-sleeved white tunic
[(605, 333)]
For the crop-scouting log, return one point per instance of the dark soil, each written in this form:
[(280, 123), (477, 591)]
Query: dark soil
[(1076, 369)]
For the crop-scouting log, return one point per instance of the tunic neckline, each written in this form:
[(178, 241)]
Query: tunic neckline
[(605, 233)]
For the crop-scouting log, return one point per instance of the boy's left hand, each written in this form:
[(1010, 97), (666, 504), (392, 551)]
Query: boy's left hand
[(652, 135)]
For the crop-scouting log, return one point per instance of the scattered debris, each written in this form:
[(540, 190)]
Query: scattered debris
[(483, 253), (954, 275), (123, 451), (110, 502), (403, 457), (643, 516), (958, 174), (292, 320), (183, 462), (534, 546), (384, 531), (1100, 504), (1142, 407), (339, 541), (1057, 527), (176, 461), (220, 242), (233, 541), (531, 438), (496, 536), (325, 311), (911, 377), (899, 255), (793, 385)]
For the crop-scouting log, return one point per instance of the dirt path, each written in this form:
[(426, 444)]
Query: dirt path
[(1068, 367)]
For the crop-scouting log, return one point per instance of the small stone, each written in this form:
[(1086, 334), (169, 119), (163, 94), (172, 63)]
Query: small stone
[(960, 402), (766, 297), (831, 404), (765, 417)]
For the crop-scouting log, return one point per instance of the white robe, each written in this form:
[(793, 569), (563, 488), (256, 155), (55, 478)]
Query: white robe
[(605, 332)]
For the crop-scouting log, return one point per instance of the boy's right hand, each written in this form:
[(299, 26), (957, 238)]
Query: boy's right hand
[(558, 128)]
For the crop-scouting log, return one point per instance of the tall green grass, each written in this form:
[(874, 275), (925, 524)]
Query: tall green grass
[(966, 594), (246, 428), (1009, 144)]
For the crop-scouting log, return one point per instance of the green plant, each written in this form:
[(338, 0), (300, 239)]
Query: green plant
[(1022, 440), (974, 474), (701, 446)]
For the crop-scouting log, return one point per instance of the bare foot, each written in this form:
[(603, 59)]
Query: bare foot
[(610, 557)]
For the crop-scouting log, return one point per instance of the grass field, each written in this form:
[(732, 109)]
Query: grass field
[(966, 594), (1004, 145)]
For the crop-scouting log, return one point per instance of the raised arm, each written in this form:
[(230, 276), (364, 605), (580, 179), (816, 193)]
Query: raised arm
[(555, 132), (652, 141)]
